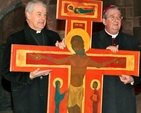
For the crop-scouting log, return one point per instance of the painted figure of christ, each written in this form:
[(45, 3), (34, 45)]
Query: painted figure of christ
[(79, 63)]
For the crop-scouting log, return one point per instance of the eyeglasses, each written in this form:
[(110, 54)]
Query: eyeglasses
[(112, 17)]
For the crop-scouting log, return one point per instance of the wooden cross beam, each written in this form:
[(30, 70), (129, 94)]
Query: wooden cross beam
[(79, 14), (69, 70), (27, 60)]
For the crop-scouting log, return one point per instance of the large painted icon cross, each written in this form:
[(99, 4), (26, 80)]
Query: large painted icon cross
[(76, 82)]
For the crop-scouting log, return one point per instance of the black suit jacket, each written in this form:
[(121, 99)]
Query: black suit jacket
[(29, 96), (117, 97)]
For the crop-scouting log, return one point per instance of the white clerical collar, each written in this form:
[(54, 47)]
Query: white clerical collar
[(113, 36), (38, 32)]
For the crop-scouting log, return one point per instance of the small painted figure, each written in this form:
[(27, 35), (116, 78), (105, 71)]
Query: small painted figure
[(58, 96), (79, 10), (95, 97)]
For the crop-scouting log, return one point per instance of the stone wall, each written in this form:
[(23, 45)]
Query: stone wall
[(131, 23)]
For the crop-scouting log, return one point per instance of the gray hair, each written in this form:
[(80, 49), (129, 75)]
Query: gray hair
[(109, 7), (30, 5)]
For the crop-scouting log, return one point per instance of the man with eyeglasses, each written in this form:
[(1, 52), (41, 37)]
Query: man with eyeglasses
[(118, 92)]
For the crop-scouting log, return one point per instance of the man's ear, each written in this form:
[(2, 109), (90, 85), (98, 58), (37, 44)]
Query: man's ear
[(104, 21), (27, 15)]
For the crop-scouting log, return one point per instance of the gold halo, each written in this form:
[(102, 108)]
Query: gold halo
[(77, 31), (61, 82), (91, 85), (68, 7)]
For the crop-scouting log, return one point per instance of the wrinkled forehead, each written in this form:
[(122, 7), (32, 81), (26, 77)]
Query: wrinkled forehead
[(113, 12), (110, 9)]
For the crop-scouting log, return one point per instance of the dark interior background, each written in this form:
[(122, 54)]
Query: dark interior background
[(12, 19)]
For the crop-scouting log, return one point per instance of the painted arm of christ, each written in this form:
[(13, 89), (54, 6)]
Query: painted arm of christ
[(76, 61), (78, 65), (56, 61), (99, 65)]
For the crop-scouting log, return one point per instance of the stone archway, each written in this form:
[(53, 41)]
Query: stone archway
[(12, 19)]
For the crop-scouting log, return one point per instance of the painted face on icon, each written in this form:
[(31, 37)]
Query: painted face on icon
[(77, 44)]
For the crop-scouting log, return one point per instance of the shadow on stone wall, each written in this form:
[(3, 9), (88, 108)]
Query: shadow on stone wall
[(5, 91), (12, 22)]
